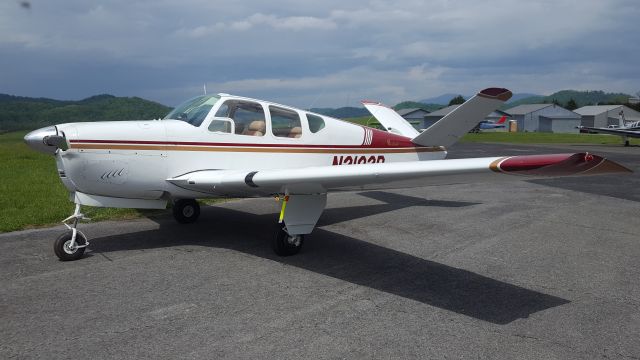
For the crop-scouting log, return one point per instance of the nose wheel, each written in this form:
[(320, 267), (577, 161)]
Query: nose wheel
[(71, 245), (285, 244), (66, 249), (186, 211)]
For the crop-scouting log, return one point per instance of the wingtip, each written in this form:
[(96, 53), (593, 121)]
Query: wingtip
[(558, 165), (371, 102), (496, 93)]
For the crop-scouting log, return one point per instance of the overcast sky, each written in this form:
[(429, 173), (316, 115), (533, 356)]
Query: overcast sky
[(325, 53)]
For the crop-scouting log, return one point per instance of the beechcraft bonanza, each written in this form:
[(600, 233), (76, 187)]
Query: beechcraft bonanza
[(229, 146), (625, 129)]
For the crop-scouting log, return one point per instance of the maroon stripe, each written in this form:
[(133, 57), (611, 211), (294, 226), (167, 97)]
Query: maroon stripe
[(143, 142), (551, 165), (530, 162)]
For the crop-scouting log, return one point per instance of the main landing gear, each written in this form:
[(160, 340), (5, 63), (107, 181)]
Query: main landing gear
[(299, 214), (186, 211), (285, 244), (71, 245)]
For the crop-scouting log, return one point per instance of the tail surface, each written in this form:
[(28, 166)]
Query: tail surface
[(457, 123), (390, 119)]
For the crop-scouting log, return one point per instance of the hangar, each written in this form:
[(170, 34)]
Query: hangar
[(605, 115), (545, 118), (434, 116), (414, 116), (431, 118)]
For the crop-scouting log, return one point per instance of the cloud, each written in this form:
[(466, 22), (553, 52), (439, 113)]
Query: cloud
[(260, 21), (291, 52)]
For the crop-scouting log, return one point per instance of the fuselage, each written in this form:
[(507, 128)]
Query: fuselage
[(133, 159)]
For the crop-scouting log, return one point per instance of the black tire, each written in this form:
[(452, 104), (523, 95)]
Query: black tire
[(283, 246), (63, 252), (186, 211)]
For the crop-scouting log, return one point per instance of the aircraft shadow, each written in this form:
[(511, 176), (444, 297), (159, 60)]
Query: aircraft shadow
[(393, 201), (609, 185), (348, 259)]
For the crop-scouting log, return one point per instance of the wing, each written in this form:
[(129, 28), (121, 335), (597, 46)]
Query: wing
[(313, 180), (621, 132)]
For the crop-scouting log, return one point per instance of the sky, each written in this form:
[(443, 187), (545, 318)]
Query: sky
[(326, 53)]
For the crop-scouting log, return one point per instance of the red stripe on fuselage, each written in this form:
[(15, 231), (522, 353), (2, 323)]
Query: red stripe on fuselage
[(393, 141)]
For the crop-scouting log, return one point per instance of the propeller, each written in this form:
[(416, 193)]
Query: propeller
[(47, 140), (59, 141)]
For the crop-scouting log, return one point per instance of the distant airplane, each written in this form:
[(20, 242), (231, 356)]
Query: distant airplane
[(229, 146), (489, 125), (624, 129)]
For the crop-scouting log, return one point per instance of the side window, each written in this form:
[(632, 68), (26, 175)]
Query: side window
[(316, 123), (285, 123), (248, 118), (223, 125)]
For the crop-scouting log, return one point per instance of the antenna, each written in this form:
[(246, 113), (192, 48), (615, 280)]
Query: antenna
[(317, 97), (205, 88)]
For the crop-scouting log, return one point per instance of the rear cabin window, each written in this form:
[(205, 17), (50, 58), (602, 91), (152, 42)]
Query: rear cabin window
[(316, 123), (285, 123), (248, 117)]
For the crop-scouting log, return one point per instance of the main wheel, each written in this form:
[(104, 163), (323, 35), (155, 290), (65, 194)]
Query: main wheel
[(287, 245), (186, 211), (62, 246)]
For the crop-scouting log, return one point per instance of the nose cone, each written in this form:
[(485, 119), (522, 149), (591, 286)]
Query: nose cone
[(36, 140)]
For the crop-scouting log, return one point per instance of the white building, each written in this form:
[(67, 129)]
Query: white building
[(414, 116), (545, 118), (605, 115)]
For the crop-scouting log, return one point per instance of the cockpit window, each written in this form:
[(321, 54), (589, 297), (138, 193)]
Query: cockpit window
[(193, 111)]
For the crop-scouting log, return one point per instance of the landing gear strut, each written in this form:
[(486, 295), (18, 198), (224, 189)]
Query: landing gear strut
[(186, 211), (71, 245), (299, 214), (285, 244)]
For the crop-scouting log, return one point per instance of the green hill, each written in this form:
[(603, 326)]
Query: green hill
[(582, 98), (24, 113), (342, 112), (417, 105)]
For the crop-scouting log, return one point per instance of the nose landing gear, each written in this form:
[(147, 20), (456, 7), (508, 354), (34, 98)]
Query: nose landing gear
[(71, 245)]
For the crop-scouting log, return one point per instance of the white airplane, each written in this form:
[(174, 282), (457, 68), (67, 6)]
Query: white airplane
[(625, 129), (229, 146)]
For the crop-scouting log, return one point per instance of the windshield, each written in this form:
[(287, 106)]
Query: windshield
[(193, 111)]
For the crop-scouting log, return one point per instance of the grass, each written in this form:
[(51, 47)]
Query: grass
[(31, 193), (522, 137), (365, 120), (545, 138)]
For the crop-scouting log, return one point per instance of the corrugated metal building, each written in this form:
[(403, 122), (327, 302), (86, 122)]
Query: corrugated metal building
[(605, 115), (545, 118), (414, 116), (431, 118)]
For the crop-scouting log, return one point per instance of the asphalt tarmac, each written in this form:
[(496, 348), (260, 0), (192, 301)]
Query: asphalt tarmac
[(545, 269)]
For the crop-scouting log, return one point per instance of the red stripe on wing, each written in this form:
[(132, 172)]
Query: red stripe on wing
[(560, 165)]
